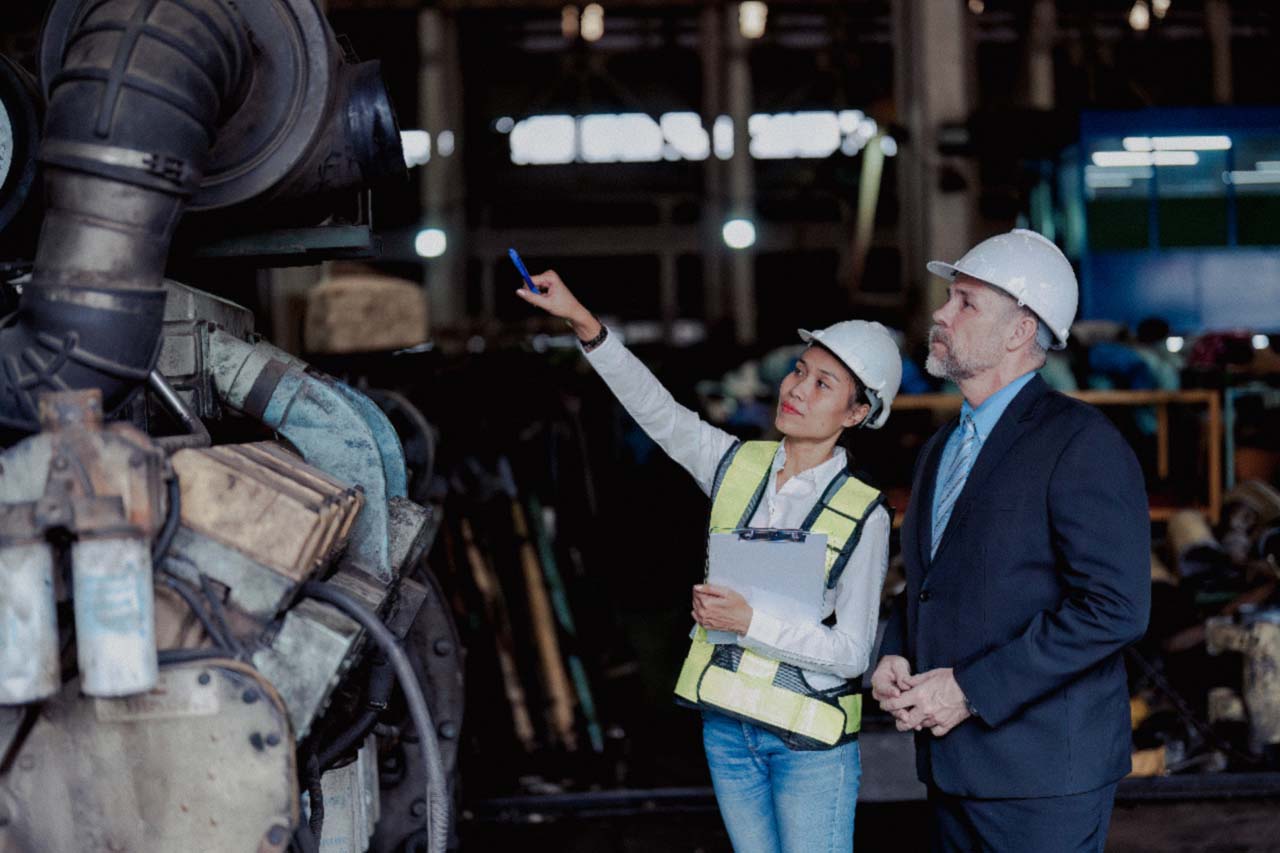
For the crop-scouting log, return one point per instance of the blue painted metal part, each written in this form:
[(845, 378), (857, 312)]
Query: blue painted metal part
[(332, 425), (1198, 288)]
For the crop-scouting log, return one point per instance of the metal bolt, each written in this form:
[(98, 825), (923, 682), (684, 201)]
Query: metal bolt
[(204, 678), (418, 808), (443, 647), (136, 459), (448, 730), (273, 739), (249, 696), (277, 834), (60, 463)]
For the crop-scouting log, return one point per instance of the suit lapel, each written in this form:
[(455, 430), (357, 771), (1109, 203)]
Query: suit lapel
[(926, 488), (1012, 424)]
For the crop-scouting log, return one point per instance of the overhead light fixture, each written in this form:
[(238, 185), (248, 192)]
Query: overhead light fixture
[(1140, 16), (430, 243), (444, 143), (739, 233), (1177, 143), (752, 17), (888, 145), (1174, 343), (1145, 158), (569, 22), (1160, 8), (592, 23), (1241, 178), (977, 7), (504, 124), (1261, 341)]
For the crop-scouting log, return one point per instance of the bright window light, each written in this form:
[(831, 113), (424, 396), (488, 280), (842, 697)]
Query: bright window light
[(1160, 8), (1177, 143), (752, 16), (626, 138), (415, 143), (592, 24), (1174, 343), (739, 233), (1261, 341), (430, 243), (849, 120), (542, 140), (684, 133), (888, 146), (1145, 158), (788, 136), (722, 137)]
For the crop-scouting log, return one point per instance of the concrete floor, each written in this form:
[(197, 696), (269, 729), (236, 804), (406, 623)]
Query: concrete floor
[(1203, 826)]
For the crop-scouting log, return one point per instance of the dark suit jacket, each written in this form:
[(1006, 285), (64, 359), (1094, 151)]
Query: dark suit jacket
[(1041, 579)]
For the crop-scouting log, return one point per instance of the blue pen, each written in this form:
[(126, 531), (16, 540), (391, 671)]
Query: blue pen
[(524, 273)]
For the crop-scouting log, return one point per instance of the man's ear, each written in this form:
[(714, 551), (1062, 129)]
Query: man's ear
[(1021, 330)]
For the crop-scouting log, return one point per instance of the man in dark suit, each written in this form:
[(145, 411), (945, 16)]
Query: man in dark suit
[(1027, 550)]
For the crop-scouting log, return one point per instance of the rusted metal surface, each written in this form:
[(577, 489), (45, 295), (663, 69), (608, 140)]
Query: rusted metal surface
[(266, 503), (102, 489), (205, 761)]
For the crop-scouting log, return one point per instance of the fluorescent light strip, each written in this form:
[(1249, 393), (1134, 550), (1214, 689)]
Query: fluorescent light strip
[(1243, 178), (1176, 143), (1145, 158)]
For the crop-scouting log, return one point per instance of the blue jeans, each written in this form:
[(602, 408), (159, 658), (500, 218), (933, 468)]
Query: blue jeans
[(778, 800)]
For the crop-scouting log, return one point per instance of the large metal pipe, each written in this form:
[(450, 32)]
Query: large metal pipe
[(131, 119), (156, 106)]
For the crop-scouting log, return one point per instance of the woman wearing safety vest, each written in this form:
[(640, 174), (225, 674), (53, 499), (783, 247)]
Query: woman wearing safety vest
[(782, 706)]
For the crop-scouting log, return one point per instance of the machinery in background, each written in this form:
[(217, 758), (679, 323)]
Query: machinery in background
[(214, 576)]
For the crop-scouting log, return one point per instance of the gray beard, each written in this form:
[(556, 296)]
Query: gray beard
[(949, 365)]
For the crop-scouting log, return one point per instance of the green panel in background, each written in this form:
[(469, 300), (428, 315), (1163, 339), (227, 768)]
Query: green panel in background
[(1258, 220), (1120, 223), (1193, 221)]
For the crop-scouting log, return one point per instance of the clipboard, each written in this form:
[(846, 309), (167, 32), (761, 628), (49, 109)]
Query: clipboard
[(781, 572)]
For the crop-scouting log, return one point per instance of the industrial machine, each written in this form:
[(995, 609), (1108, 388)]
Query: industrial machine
[(217, 628)]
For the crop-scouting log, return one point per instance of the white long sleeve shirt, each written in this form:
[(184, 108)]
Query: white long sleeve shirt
[(827, 655)]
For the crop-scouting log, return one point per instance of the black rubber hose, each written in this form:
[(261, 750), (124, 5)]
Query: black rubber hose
[(172, 516), (131, 119), (210, 628), (315, 792), (437, 793)]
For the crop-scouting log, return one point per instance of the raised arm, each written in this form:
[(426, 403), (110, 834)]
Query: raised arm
[(694, 444)]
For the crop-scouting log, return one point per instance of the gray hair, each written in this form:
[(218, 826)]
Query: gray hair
[(1044, 339)]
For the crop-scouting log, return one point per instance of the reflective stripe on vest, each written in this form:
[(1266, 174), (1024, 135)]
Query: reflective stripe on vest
[(754, 687)]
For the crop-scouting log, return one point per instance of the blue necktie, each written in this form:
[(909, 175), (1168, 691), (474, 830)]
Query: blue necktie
[(953, 483)]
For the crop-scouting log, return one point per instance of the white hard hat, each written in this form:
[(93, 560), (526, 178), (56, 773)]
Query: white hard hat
[(1028, 267), (868, 350)]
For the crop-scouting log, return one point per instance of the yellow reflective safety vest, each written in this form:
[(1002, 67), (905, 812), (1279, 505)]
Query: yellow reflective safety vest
[(750, 686)]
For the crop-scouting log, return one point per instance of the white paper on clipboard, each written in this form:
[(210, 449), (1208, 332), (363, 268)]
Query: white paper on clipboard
[(783, 573)]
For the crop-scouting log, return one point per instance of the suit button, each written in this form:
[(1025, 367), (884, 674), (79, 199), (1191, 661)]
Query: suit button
[(925, 595)]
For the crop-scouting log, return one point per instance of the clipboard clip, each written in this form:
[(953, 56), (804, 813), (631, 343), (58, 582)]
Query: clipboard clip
[(771, 534)]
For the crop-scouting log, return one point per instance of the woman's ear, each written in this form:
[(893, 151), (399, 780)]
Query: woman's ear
[(856, 415)]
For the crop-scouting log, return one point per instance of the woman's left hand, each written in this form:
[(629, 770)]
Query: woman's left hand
[(719, 608)]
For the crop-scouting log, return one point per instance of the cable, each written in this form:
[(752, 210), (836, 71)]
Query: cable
[(315, 793), (189, 655), (211, 595), (437, 787), (172, 516), (189, 597)]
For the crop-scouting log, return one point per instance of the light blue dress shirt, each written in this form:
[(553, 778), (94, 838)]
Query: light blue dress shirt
[(985, 418)]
